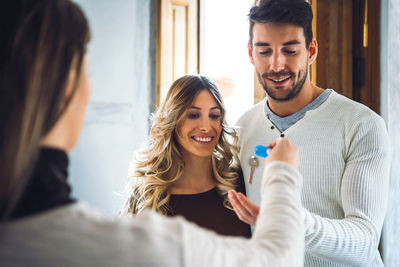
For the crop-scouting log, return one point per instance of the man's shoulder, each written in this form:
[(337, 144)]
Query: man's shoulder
[(351, 109), (353, 117), (254, 112)]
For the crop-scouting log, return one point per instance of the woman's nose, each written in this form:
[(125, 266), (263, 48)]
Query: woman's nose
[(205, 125)]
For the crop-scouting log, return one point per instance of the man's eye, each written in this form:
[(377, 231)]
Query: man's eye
[(215, 116), (290, 52), (265, 53), (192, 116)]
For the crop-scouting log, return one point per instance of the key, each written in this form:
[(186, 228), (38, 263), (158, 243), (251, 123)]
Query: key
[(253, 162)]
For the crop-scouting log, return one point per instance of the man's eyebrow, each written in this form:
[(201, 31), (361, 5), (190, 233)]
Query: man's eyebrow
[(293, 42), (261, 44)]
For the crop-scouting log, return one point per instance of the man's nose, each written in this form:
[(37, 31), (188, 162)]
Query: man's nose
[(278, 62)]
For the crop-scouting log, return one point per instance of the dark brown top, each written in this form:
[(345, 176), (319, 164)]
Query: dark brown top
[(206, 209)]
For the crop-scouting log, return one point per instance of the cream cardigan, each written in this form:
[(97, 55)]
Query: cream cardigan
[(78, 235), (345, 162)]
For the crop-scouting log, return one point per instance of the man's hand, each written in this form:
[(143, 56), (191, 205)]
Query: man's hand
[(281, 150)]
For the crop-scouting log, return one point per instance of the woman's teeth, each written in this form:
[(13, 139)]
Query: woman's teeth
[(202, 139)]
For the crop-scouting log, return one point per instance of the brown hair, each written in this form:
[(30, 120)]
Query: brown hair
[(41, 42)]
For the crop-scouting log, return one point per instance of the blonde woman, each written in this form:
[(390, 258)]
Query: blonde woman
[(188, 167)]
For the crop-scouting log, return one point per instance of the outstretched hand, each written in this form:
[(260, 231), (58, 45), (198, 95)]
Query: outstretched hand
[(280, 150), (246, 210)]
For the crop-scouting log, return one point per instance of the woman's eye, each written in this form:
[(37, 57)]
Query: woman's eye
[(193, 116), (215, 116)]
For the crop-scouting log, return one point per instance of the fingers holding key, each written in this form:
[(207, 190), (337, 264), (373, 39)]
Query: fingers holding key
[(283, 150)]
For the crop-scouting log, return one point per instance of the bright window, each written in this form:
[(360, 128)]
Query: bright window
[(224, 34)]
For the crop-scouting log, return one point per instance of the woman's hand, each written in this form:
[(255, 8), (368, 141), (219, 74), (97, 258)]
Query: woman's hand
[(280, 150), (283, 150)]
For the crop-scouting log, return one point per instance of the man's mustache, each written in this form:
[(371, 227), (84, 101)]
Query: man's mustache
[(277, 74)]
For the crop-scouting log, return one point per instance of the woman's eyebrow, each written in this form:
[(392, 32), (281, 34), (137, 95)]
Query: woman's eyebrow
[(194, 107)]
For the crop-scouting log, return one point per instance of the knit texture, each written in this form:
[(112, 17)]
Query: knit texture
[(283, 123), (345, 162), (78, 235)]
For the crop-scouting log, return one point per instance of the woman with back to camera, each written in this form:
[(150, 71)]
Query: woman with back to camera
[(188, 168), (44, 92)]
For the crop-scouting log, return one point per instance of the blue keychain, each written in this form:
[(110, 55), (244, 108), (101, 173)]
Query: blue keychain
[(261, 151)]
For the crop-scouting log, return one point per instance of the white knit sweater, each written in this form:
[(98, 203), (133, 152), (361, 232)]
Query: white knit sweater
[(78, 235), (345, 162)]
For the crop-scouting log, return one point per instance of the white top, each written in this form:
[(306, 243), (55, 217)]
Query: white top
[(78, 235), (345, 162)]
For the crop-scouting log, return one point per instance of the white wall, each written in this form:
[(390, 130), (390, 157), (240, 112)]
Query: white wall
[(390, 110), (121, 54)]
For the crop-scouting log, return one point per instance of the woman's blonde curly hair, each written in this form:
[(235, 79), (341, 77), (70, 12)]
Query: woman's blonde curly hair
[(161, 164)]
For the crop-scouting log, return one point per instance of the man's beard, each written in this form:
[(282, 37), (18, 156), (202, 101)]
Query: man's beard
[(293, 92)]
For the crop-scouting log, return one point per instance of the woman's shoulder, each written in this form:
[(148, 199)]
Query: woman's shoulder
[(240, 182), (129, 207)]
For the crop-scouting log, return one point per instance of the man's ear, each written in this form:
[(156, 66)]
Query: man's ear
[(250, 51), (312, 51)]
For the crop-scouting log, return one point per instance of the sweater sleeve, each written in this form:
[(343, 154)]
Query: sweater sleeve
[(278, 239), (354, 239), (151, 239)]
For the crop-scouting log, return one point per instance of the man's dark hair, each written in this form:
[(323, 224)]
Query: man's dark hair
[(296, 12)]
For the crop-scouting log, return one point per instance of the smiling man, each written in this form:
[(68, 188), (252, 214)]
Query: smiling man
[(343, 145)]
